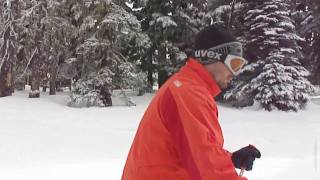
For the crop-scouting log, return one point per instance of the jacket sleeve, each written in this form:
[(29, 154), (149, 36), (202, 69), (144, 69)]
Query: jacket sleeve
[(194, 127)]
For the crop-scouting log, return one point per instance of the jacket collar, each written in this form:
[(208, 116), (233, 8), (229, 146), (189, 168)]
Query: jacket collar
[(204, 75)]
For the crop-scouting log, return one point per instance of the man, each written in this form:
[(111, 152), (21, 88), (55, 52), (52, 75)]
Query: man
[(179, 137)]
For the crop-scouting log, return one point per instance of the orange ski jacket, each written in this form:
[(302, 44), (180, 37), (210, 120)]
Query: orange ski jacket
[(179, 137)]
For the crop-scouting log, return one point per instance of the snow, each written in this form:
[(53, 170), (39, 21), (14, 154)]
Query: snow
[(166, 21), (269, 31), (284, 13), (288, 50), (221, 10), (263, 17), (255, 11), (270, 7), (43, 139), (287, 25), (270, 42), (258, 25)]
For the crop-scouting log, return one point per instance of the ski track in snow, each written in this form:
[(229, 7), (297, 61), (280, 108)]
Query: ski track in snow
[(43, 139)]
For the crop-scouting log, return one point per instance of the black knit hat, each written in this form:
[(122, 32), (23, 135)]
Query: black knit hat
[(214, 43)]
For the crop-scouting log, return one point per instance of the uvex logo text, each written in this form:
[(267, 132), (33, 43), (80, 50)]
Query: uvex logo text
[(207, 53)]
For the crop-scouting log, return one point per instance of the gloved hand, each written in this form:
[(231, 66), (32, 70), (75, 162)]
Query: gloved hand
[(245, 157)]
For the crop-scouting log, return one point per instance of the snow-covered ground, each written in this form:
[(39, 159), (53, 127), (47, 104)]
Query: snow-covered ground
[(43, 139)]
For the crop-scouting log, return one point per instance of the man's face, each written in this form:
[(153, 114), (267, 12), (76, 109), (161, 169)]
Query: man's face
[(220, 73)]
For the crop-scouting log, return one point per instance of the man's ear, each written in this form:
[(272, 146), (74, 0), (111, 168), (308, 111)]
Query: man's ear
[(213, 68)]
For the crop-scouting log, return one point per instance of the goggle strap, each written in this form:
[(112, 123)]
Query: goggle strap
[(226, 48)]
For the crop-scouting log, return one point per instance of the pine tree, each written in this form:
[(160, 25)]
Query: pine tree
[(107, 34), (312, 28), (24, 53), (171, 25), (33, 19), (10, 13), (275, 77), (306, 15), (60, 39), (227, 13)]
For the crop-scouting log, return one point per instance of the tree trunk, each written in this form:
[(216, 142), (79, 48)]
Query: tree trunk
[(35, 78), (106, 95), (150, 76), (230, 20), (52, 87), (35, 86), (7, 60), (44, 88), (52, 82), (20, 85), (162, 77), (44, 84), (162, 73), (6, 82)]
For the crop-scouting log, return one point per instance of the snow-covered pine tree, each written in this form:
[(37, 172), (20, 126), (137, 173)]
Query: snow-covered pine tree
[(147, 57), (190, 16), (275, 76), (94, 82), (316, 60), (60, 38), (131, 43), (35, 28), (303, 17), (227, 13), (10, 13), (305, 13), (23, 53), (159, 24), (312, 28), (171, 25), (105, 30)]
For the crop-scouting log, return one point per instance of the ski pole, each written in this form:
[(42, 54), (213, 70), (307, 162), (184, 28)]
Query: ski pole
[(242, 171)]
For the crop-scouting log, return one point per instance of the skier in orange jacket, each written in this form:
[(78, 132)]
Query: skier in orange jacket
[(179, 137)]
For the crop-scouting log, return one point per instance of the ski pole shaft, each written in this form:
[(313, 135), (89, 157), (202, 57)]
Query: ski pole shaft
[(242, 171)]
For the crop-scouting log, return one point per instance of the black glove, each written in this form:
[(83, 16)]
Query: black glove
[(245, 157)]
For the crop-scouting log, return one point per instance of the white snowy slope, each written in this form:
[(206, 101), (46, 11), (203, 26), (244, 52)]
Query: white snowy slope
[(43, 139)]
